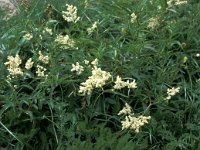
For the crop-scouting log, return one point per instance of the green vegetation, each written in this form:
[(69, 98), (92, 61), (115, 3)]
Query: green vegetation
[(115, 75)]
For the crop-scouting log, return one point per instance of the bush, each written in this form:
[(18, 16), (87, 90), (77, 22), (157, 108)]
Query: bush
[(101, 75)]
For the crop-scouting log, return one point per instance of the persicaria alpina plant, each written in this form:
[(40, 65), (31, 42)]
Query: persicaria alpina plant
[(97, 80), (28, 36), (29, 64), (130, 121), (171, 92), (92, 74), (65, 41), (77, 67), (44, 59), (71, 14), (13, 66)]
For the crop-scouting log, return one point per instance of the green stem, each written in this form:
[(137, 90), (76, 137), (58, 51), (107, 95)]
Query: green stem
[(10, 132)]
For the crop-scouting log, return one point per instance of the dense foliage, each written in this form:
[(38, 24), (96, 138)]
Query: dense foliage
[(67, 95)]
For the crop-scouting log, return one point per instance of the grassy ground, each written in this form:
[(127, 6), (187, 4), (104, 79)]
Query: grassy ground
[(101, 75)]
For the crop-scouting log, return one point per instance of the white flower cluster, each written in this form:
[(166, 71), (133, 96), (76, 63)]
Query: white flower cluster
[(77, 67), (28, 36), (132, 122), (71, 14), (13, 66), (40, 71), (91, 29), (126, 110), (171, 92), (153, 22), (96, 80), (176, 2), (65, 40), (44, 59), (48, 30), (119, 84), (95, 62), (86, 62), (133, 17), (29, 64), (99, 78)]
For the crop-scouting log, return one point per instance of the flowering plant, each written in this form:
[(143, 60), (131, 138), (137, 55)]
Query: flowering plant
[(100, 75)]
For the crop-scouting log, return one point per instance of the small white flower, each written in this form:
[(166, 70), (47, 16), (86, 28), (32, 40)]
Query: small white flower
[(95, 62), (91, 29), (197, 55), (28, 36), (171, 92), (29, 64), (131, 85), (96, 80), (119, 84), (133, 17), (40, 37), (13, 66), (40, 71), (77, 67), (126, 110), (176, 2), (159, 7), (48, 30), (71, 14), (65, 40), (86, 62), (153, 22), (132, 122), (44, 59)]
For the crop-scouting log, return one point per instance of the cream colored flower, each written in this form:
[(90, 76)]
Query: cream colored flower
[(176, 2), (86, 62), (133, 17), (169, 3), (95, 62), (91, 29), (40, 36), (119, 84), (180, 2), (159, 7), (28, 36), (13, 66), (65, 40), (96, 80), (185, 59), (40, 71), (153, 22), (132, 122), (131, 85), (171, 92), (48, 30), (197, 55), (29, 64), (126, 110), (77, 67), (71, 14), (44, 59)]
